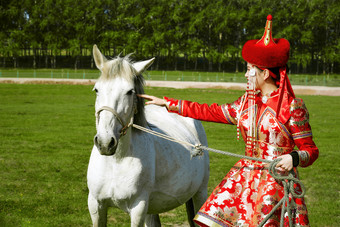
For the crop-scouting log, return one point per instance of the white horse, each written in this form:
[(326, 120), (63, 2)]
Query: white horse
[(142, 174)]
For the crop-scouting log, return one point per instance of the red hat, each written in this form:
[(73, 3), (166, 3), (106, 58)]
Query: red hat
[(266, 52), (271, 53)]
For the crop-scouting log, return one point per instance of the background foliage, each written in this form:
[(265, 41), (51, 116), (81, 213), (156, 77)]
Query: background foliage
[(182, 34)]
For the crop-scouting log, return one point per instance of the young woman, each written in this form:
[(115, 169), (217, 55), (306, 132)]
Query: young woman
[(272, 122)]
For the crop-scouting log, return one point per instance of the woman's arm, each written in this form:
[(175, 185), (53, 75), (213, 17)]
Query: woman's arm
[(302, 133), (213, 113)]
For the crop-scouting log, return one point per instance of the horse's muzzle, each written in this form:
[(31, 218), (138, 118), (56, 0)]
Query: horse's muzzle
[(106, 147)]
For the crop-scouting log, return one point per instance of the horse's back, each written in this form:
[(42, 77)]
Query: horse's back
[(174, 125)]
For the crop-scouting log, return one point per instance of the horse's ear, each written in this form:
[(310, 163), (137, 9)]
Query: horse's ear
[(141, 66), (99, 58)]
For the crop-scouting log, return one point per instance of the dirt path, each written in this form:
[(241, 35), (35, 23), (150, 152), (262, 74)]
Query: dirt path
[(299, 90)]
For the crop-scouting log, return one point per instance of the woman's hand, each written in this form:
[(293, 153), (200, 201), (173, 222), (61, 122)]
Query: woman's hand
[(152, 100), (286, 163)]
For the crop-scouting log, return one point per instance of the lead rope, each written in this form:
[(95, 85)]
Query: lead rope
[(287, 181)]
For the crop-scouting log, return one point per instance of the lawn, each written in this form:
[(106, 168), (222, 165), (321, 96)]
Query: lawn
[(47, 134)]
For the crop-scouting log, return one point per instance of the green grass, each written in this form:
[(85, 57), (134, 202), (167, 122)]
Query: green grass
[(47, 134), (296, 79)]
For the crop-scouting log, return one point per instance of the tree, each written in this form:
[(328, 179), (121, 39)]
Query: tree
[(13, 34), (199, 31)]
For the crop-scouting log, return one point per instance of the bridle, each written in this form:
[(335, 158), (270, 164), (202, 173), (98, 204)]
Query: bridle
[(123, 131)]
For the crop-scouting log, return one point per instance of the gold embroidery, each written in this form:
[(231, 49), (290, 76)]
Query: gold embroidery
[(303, 158), (269, 111), (171, 107), (300, 135), (227, 116), (206, 221)]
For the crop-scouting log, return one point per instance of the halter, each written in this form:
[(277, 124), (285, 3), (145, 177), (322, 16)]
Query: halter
[(123, 131)]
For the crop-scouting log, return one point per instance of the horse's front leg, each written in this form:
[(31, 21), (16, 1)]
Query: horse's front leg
[(138, 211), (98, 212), (152, 220)]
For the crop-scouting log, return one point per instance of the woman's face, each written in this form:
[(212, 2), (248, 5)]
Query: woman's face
[(258, 73)]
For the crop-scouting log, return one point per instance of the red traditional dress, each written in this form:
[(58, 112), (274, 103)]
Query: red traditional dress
[(271, 126), (248, 193)]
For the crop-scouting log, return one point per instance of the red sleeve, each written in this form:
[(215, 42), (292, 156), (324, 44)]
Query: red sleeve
[(226, 113), (302, 133)]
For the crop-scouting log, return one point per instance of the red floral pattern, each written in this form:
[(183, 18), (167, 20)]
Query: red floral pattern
[(248, 192)]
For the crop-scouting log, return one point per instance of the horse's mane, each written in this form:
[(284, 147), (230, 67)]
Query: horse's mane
[(122, 67)]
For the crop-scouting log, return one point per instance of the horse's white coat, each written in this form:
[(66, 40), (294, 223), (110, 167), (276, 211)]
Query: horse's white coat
[(141, 173)]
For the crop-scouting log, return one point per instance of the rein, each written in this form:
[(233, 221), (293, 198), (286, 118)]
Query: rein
[(287, 181)]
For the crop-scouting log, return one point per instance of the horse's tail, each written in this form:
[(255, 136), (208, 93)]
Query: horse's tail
[(190, 212)]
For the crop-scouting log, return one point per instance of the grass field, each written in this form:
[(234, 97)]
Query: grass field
[(46, 135), (332, 80)]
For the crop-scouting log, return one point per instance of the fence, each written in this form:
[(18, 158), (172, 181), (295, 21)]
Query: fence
[(296, 79)]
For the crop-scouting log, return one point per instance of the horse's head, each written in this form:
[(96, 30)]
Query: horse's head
[(117, 105)]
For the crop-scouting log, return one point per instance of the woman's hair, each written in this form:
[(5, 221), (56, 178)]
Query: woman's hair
[(276, 71)]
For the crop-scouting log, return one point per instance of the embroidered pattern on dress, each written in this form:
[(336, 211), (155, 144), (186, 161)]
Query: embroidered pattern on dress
[(299, 113), (300, 135), (235, 107), (286, 130), (248, 193), (215, 220), (172, 105), (283, 128), (299, 120), (226, 114), (180, 106), (303, 158)]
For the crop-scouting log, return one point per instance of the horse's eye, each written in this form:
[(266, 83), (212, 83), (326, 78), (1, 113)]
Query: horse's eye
[(130, 92), (95, 89)]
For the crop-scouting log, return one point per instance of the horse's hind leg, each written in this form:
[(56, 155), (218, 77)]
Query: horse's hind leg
[(98, 212), (197, 200), (190, 212), (152, 220)]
